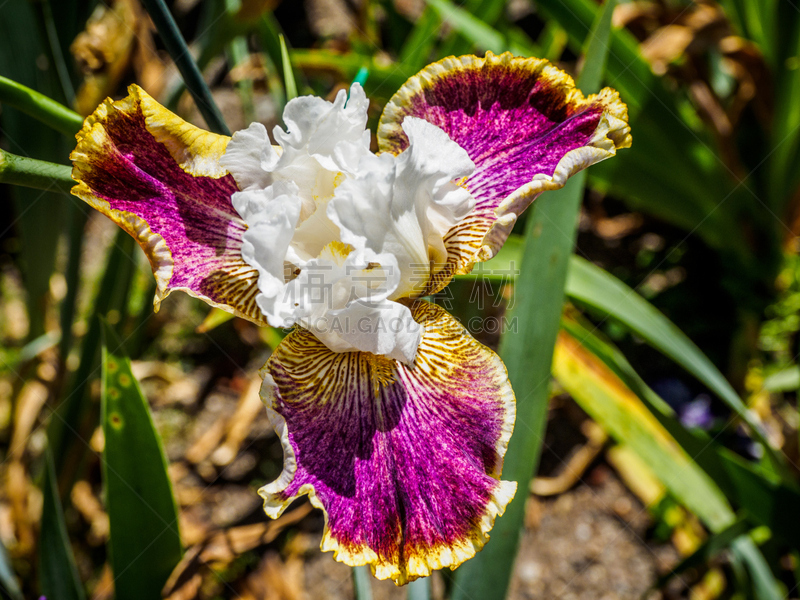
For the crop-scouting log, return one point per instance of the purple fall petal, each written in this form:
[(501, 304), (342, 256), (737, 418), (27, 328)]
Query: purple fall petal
[(405, 461), (159, 178), (524, 125)]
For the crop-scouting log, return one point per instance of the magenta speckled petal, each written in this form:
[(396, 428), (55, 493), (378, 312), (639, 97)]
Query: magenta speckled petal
[(405, 461), (524, 125), (159, 178)]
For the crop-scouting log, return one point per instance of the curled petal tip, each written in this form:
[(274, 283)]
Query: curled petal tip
[(523, 123), (160, 179)]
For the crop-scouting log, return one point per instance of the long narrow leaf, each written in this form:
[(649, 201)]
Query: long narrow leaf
[(608, 401), (475, 30), (288, 73), (766, 500), (604, 395), (69, 425), (58, 575), (179, 51), (269, 35), (594, 287), (57, 50), (596, 51), (418, 46), (77, 222), (784, 178), (40, 216), (707, 550), (486, 11), (590, 285), (679, 177), (420, 589), (145, 543), (764, 585), (550, 237)]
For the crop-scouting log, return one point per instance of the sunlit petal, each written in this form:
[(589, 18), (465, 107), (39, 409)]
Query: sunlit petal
[(524, 125), (160, 179), (404, 460), (404, 205)]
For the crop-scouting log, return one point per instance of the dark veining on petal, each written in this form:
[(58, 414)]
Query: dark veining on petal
[(136, 174), (402, 460), (513, 122)]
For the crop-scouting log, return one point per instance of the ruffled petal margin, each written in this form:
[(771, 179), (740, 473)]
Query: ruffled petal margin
[(160, 179), (523, 123), (404, 461)]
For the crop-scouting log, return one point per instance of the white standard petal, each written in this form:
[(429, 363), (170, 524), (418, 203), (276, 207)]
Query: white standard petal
[(405, 205), (250, 157), (271, 216), (341, 297), (434, 158), (334, 134), (323, 142), (384, 327)]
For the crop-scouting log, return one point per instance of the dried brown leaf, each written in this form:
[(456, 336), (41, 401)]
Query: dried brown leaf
[(84, 500), (222, 547), (248, 408)]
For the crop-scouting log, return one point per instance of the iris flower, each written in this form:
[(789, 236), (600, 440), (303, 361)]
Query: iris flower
[(393, 419)]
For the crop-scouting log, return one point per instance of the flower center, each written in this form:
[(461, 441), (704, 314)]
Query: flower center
[(339, 234)]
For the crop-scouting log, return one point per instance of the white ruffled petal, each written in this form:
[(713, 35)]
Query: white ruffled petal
[(249, 157), (273, 215), (404, 205), (312, 235), (337, 233), (385, 328), (332, 133), (341, 297), (433, 158)]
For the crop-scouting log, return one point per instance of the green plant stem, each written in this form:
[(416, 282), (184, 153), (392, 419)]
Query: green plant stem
[(528, 354), (362, 583), (39, 174), (40, 107), (420, 589), (179, 51)]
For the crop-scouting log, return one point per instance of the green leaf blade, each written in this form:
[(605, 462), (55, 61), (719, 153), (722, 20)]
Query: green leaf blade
[(550, 238), (592, 286), (58, 575), (694, 467), (420, 589), (145, 541), (182, 56), (618, 410), (288, 74), (362, 583), (475, 30)]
